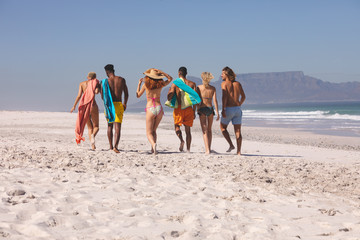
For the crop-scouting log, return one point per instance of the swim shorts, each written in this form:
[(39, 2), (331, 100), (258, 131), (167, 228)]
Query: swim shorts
[(119, 112), (233, 114), (184, 116)]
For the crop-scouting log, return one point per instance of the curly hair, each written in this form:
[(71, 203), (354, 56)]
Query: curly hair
[(151, 83)]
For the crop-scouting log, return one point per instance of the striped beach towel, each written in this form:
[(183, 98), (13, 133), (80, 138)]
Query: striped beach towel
[(189, 96)]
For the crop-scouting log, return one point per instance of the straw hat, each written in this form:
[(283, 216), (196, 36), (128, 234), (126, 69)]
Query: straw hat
[(154, 73)]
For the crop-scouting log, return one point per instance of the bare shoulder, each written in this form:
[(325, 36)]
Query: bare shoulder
[(83, 85), (119, 78), (190, 83), (173, 86), (237, 84)]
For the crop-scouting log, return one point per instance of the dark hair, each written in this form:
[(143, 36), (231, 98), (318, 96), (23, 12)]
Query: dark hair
[(152, 83), (230, 73), (109, 68), (183, 71)]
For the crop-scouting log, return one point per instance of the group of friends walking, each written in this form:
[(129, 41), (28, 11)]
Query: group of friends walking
[(183, 96)]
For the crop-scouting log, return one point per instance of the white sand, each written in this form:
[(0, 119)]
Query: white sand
[(288, 184)]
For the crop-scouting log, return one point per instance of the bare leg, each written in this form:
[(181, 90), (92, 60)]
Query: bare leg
[(204, 128), (90, 130), (179, 134), (117, 136), (110, 135), (94, 116), (150, 123), (156, 124), (95, 120), (188, 137), (237, 129), (209, 129), (227, 137)]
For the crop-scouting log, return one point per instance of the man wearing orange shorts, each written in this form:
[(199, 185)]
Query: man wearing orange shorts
[(182, 116)]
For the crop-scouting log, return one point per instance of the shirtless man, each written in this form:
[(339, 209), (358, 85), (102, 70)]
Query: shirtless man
[(182, 116), (231, 107), (117, 86)]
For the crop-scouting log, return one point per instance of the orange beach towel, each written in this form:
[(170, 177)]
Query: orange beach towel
[(84, 109)]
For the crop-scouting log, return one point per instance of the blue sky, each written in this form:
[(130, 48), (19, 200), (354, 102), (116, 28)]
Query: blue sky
[(47, 47)]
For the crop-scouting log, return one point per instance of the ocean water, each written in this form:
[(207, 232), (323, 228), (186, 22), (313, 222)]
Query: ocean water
[(332, 118)]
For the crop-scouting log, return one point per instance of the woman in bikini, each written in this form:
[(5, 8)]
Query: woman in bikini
[(154, 112), (206, 112)]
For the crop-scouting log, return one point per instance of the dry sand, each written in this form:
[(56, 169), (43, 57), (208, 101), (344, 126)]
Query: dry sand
[(287, 185)]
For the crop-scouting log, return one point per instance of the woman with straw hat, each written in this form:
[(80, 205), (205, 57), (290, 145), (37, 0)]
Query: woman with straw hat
[(154, 112)]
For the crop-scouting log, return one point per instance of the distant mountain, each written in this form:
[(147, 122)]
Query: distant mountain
[(290, 87), (284, 87)]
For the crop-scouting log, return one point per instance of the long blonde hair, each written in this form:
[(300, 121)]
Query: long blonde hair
[(206, 78)]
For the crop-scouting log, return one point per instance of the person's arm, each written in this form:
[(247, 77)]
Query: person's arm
[(98, 87), (199, 93), (169, 78), (171, 92), (126, 95), (224, 99), (243, 97), (101, 91), (77, 99), (194, 106), (216, 105), (140, 91)]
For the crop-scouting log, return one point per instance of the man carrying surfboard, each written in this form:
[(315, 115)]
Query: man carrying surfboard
[(183, 98)]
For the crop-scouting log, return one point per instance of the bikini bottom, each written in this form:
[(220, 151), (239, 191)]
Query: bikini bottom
[(156, 110), (206, 110)]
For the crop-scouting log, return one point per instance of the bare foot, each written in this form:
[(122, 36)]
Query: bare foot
[(181, 148), (93, 147), (154, 149), (207, 153), (116, 150), (230, 149)]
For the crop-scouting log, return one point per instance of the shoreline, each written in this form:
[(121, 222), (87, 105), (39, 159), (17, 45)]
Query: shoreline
[(250, 123)]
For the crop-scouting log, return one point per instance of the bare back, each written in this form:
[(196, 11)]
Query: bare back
[(117, 87), (232, 91), (153, 96), (206, 94)]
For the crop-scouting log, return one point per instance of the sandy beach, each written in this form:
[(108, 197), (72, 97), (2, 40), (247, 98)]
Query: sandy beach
[(288, 184)]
